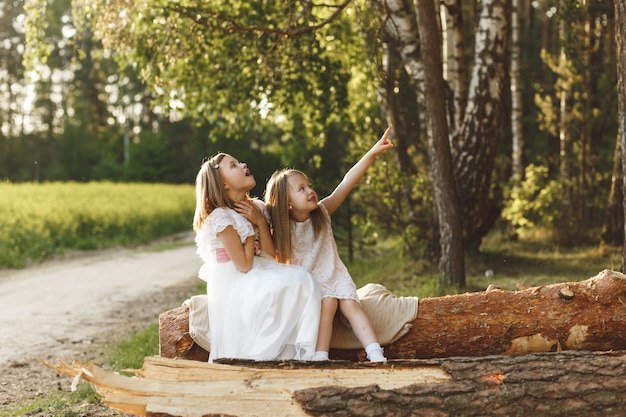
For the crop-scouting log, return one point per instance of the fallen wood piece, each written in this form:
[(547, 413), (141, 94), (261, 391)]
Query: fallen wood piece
[(573, 383), (587, 315), (190, 388)]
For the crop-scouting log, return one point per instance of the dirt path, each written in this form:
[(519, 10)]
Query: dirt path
[(72, 308)]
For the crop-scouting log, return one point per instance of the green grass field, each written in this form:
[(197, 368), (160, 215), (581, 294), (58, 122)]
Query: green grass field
[(40, 220)]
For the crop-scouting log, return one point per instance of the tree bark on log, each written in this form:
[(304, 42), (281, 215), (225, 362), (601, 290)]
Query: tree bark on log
[(588, 315), (572, 383)]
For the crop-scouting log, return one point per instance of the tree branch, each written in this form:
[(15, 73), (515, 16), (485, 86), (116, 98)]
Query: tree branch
[(205, 17)]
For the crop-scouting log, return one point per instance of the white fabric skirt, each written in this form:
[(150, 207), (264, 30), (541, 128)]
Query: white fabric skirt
[(262, 314)]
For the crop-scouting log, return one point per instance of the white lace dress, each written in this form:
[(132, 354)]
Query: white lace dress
[(320, 257), (261, 314)]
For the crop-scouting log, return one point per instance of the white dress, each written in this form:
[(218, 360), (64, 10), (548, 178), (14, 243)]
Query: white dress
[(320, 257), (255, 315)]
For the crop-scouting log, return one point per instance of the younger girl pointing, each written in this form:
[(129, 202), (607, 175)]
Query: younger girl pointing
[(302, 234)]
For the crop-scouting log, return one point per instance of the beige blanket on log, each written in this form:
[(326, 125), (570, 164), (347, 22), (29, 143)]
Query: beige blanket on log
[(390, 316)]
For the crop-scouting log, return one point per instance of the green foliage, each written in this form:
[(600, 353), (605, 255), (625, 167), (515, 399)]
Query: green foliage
[(35, 25), (397, 203), (535, 202), (130, 353), (41, 220), (229, 63)]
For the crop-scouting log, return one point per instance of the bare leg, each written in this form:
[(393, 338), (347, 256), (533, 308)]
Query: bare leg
[(327, 315), (358, 321), (362, 329)]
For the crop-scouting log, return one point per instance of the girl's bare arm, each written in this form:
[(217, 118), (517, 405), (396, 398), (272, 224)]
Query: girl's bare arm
[(240, 254), (354, 175)]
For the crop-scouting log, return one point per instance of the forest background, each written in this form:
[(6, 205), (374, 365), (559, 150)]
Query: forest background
[(527, 106)]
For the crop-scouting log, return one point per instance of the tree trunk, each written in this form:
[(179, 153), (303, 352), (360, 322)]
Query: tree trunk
[(454, 63), (400, 108), (575, 384), (474, 149), (613, 228), (586, 315), (475, 142), (564, 222), (400, 26), (620, 37), (517, 136), (398, 113), (452, 261)]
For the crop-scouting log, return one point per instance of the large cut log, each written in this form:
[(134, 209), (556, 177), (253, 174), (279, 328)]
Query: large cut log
[(587, 315), (572, 383), (191, 388)]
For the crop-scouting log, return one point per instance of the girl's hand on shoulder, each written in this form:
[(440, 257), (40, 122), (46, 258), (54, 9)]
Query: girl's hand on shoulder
[(250, 211)]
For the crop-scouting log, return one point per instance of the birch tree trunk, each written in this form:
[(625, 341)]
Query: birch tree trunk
[(455, 72), (473, 144), (517, 137), (474, 148)]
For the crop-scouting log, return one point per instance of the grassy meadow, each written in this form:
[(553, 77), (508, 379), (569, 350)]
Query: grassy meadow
[(40, 220)]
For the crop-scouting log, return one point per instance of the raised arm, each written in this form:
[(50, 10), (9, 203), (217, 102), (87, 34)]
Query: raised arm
[(354, 175)]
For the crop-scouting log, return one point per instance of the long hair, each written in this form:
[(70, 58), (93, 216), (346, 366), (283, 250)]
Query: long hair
[(277, 205), (210, 192)]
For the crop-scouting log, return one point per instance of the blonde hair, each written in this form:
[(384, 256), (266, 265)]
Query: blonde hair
[(277, 205), (210, 192)]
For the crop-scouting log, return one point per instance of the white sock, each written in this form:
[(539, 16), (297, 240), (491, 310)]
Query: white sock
[(320, 355), (375, 352)]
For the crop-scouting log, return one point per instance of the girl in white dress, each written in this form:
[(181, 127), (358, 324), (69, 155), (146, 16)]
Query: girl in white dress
[(258, 308), (302, 233)]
